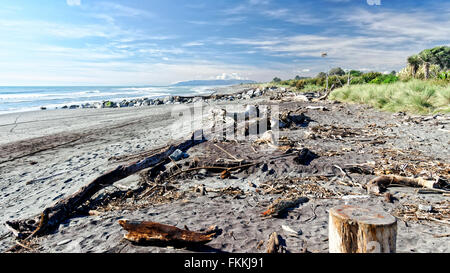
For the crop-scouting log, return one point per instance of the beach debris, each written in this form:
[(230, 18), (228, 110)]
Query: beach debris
[(280, 205), (388, 197), (229, 154), (225, 174), (439, 213), (301, 97), (351, 197), (359, 168), (332, 132), (273, 244), (267, 138), (289, 119), (321, 108), (380, 184), (147, 232), (178, 154), (425, 208), (52, 216), (305, 156), (260, 244), (290, 230), (200, 189), (354, 229)]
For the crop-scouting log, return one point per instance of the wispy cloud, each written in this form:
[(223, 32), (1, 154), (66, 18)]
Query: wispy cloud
[(301, 18), (115, 9), (73, 2)]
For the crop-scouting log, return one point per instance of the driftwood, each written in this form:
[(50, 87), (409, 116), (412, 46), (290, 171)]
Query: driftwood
[(325, 96), (281, 205), (360, 230), (379, 184), (52, 216), (273, 244), (156, 233)]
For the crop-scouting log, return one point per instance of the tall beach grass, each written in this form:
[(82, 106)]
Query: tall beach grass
[(414, 96)]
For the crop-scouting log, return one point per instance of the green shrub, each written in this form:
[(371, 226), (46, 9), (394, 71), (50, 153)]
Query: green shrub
[(357, 80), (368, 77), (355, 73), (389, 78)]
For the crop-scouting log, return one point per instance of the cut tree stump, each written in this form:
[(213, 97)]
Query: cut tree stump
[(353, 229)]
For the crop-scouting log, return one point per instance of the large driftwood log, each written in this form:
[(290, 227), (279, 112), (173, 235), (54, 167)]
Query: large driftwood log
[(360, 230), (52, 216), (379, 184), (151, 232)]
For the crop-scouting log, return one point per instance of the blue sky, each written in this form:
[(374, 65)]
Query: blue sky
[(138, 42)]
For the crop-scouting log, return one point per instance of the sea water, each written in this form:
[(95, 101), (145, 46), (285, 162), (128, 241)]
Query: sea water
[(21, 99)]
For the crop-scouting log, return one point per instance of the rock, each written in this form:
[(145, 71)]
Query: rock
[(251, 111), (64, 107), (74, 106), (43, 108), (168, 99), (98, 105), (109, 104)]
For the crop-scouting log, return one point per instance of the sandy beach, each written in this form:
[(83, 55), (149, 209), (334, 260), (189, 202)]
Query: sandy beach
[(48, 155)]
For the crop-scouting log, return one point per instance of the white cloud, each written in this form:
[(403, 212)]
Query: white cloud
[(229, 76), (189, 44), (73, 2)]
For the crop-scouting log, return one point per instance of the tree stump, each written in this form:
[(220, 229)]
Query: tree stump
[(360, 230)]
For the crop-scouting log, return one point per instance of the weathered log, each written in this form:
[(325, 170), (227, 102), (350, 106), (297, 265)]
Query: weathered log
[(360, 230), (280, 205), (379, 184), (151, 232), (52, 216)]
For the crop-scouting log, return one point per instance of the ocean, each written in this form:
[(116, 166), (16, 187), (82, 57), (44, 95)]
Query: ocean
[(22, 99)]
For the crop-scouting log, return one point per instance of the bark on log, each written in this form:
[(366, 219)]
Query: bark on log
[(52, 216), (360, 230), (151, 232), (379, 184)]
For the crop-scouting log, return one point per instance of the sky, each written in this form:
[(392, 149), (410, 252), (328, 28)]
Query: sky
[(151, 42)]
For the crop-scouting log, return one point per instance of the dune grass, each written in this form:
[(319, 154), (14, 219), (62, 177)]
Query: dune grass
[(414, 96)]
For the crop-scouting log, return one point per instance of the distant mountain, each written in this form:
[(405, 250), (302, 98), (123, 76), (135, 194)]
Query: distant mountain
[(212, 82)]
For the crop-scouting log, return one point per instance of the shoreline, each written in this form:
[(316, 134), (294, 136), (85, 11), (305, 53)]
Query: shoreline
[(149, 100)]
